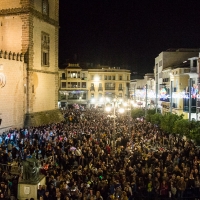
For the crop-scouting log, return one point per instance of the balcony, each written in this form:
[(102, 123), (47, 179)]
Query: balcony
[(76, 98), (193, 70), (174, 89), (73, 77), (109, 88), (174, 105), (120, 89), (63, 78), (100, 88), (92, 88)]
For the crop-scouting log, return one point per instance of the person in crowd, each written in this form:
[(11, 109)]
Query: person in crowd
[(81, 161)]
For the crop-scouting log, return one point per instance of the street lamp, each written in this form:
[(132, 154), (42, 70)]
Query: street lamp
[(120, 110)]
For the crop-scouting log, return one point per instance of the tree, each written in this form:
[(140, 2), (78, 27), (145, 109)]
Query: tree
[(194, 133), (150, 113), (168, 121), (156, 119), (137, 112), (181, 127)]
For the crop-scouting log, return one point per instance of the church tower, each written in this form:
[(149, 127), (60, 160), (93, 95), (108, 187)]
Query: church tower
[(29, 33)]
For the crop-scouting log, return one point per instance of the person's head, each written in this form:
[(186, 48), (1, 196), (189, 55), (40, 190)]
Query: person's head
[(98, 193), (191, 176), (182, 179), (47, 193)]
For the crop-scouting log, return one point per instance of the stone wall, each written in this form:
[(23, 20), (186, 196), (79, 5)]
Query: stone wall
[(43, 118), (12, 93)]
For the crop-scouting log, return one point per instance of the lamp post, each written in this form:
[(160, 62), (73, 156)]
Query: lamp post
[(121, 110), (114, 125), (146, 100)]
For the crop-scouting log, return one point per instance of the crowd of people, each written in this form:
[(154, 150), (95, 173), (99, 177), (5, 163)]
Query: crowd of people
[(84, 158)]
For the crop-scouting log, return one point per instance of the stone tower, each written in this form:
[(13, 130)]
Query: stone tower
[(29, 33)]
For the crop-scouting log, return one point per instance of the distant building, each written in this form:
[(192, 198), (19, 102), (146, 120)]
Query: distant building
[(139, 93), (91, 86), (164, 62)]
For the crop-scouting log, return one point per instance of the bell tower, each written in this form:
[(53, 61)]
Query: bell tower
[(30, 27)]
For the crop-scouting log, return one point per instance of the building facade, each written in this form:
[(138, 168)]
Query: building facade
[(91, 86), (142, 89), (164, 62), (29, 62)]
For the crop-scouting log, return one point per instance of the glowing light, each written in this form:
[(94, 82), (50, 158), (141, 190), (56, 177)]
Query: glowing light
[(107, 99), (96, 78), (125, 104), (101, 99), (121, 110), (93, 100), (108, 109)]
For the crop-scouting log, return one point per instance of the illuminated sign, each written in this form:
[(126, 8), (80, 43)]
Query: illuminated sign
[(164, 96), (194, 92)]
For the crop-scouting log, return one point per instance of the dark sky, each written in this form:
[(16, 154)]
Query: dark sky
[(129, 33)]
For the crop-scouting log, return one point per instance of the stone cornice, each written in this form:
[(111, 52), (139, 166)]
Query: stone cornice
[(41, 71), (12, 55), (28, 10)]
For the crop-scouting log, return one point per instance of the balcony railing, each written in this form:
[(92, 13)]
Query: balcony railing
[(92, 88), (73, 77), (120, 89), (100, 88), (174, 105), (174, 89), (63, 78), (109, 88), (75, 98)]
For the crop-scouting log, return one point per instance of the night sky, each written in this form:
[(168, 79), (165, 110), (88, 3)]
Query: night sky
[(126, 33)]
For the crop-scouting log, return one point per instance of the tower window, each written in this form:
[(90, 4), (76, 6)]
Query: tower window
[(33, 89), (45, 7), (45, 47)]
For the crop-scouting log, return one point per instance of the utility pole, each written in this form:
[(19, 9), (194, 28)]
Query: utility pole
[(171, 88), (156, 90), (190, 98), (146, 102)]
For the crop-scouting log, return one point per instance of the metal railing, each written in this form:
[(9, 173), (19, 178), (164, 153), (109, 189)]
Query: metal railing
[(92, 89), (100, 88), (11, 168), (109, 88)]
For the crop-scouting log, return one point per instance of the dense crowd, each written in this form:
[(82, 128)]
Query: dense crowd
[(83, 158)]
